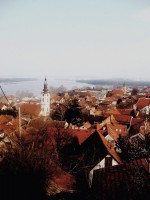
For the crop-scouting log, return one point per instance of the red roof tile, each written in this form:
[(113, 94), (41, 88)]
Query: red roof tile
[(122, 118), (115, 130), (82, 135), (30, 109), (143, 102)]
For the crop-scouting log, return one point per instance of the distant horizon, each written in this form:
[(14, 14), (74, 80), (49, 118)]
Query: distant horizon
[(75, 79)]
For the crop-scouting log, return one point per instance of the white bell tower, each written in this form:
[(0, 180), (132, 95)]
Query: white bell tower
[(45, 100)]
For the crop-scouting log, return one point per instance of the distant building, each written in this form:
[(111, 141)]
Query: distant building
[(45, 100), (124, 88)]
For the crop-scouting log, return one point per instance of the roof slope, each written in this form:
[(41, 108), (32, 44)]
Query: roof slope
[(125, 181)]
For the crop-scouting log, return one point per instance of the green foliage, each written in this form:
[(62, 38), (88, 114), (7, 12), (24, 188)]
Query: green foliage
[(133, 150), (73, 112), (9, 112)]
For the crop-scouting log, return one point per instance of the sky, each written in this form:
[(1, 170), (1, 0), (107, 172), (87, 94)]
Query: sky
[(75, 39)]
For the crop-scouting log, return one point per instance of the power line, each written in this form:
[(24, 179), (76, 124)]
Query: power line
[(4, 94)]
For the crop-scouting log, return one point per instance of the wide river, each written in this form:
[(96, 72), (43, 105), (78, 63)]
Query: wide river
[(36, 86)]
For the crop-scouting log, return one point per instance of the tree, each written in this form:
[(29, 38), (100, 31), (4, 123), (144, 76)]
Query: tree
[(59, 113), (134, 91), (132, 150), (24, 170), (73, 112)]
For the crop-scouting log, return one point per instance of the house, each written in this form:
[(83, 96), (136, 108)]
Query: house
[(3, 106), (96, 112), (4, 119), (30, 109), (125, 181), (143, 105), (86, 125), (108, 120), (108, 157), (117, 93), (123, 119), (116, 130), (94, 152)]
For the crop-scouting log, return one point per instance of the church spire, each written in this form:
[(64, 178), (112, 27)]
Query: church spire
[(124, 88), (45, 90)]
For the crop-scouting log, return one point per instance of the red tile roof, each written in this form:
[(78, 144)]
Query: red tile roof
[(125, 111), (117, 92), (81, 135), (5, 119), (30, 109), (126, 181), (122, 118), (1, 105), (112, 112), (111, 150), (142, 102), (115, 130)]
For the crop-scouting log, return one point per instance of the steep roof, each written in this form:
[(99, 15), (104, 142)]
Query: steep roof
[(126, 181), (117, 92), (112, 112), (108, 120), (115, 130), (30, 109), (142, 102), (5, 119), (110, 150), (1, 105), (81, 135), (122, 118)]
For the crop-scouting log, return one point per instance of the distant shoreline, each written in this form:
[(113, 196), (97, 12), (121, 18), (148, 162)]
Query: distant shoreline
[(115, 82), (14, 80)]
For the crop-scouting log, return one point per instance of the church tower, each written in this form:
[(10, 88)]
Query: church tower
[(124, 88), (45, 100)]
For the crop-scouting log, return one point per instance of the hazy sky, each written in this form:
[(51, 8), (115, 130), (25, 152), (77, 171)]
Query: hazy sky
[(75, 38)]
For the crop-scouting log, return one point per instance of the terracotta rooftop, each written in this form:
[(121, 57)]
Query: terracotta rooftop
[(1, 105), (110, 150), (112, 112), (81, 135), (117, 92), (129, 181), (142, 102), (122, 118), (30, 109), (115, 130), (5, 119), (125, 111)]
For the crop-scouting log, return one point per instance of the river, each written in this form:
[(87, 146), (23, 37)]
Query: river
[(36, 86)]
